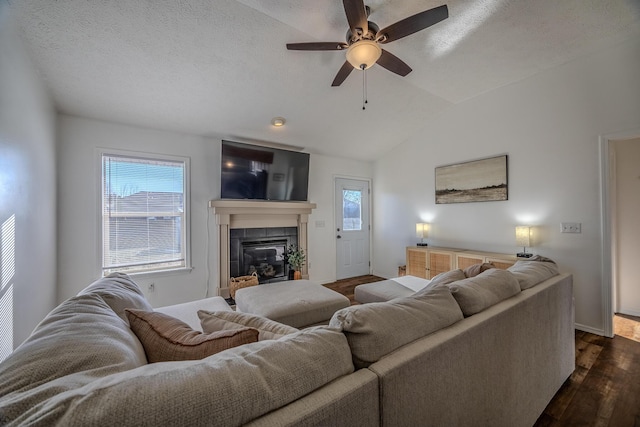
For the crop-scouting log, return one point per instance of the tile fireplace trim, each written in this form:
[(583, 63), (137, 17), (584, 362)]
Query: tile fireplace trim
[(255, 214)]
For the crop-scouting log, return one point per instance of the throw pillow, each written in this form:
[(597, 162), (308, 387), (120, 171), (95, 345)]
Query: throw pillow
[(166, 338), (376, 329), (530, 273), (475, 294), (475, 269), (212, 321)]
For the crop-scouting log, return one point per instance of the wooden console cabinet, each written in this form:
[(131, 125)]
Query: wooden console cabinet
[(429, 261)]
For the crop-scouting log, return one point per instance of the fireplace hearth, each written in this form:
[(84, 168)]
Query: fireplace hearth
[(261, 250)]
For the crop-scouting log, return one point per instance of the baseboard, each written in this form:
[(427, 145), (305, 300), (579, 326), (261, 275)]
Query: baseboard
[(631, 312), (589, 329)]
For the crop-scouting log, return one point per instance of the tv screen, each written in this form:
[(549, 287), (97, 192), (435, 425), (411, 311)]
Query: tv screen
[(264, 173)]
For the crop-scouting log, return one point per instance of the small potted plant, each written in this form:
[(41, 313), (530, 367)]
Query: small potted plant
[(295, 258)]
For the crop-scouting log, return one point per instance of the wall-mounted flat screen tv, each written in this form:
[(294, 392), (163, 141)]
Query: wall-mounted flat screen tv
[(263, 173)]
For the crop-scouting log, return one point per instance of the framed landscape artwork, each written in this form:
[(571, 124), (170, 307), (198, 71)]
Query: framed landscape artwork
[(474, 181)]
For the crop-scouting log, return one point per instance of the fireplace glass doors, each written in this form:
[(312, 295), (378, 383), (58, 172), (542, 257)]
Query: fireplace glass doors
[(263, 251)]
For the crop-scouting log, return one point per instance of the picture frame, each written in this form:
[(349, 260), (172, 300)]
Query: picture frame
[(483, 180)]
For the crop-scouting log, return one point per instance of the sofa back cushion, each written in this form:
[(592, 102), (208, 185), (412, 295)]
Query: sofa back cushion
[(531, 272), (230, 388), (81, 339), (475, 294), (120, 292), (444, 279), (376, 329)]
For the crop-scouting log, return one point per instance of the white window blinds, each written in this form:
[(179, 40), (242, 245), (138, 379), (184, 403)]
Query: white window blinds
[(143, 214)]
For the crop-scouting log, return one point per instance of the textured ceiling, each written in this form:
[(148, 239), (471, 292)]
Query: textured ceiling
[(220, 68)]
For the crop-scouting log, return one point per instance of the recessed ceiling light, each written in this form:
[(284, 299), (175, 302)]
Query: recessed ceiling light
[(278, 121)]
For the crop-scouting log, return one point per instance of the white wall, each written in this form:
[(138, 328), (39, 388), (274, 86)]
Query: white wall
[(79, 204), (627, 182), (322, 240), (549, 125), (78, 226), (27, 193)]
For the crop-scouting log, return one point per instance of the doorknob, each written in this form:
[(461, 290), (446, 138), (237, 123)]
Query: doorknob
[(339, 236)]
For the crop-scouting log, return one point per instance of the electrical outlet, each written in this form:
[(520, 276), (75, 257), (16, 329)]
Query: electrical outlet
[(151, 287), (570, 227)]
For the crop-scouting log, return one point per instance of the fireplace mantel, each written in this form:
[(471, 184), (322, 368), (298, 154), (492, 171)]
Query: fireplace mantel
[(256, 214)]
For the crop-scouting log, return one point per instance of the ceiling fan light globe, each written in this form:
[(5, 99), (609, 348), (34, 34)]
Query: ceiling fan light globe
[(363, 52)]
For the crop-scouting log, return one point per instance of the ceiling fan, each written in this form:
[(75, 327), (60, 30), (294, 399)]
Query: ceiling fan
[(365, 37)]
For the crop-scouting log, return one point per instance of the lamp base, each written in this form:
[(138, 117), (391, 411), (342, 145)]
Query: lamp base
[(524, 255), (422, 244)]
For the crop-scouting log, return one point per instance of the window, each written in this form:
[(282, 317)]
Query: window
[(351, 210), (144, 218)]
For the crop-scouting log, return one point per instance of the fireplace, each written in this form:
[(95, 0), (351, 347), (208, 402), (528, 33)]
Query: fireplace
[(252, 215), (261, 250)]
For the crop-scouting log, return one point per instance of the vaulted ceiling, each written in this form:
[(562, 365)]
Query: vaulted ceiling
[(220, 68)]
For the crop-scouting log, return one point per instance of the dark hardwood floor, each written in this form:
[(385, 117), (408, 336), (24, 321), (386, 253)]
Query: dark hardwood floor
[(604, 389), (346, 286)]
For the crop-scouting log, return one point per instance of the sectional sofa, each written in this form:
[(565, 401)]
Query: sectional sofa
[(486, 350)]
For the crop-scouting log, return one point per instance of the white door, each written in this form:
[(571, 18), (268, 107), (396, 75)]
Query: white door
[(352, 228)]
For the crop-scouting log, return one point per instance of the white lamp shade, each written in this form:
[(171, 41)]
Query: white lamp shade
[(523, 236), (422, 230), (364, 52)]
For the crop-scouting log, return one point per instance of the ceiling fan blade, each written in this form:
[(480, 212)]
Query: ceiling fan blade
[(393, 64), (413, 24), (317, 46), (342, 74), (356, 15)]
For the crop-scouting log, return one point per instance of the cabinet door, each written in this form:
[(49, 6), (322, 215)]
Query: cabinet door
[(417, 263), (439, 262), (467, 260)]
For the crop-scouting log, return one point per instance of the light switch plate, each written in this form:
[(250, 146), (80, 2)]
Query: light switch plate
[(570, 227)]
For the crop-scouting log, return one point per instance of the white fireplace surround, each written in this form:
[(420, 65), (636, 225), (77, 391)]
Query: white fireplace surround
[(256, 214)]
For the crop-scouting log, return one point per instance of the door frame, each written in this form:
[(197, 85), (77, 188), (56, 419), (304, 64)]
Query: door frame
[(608, 227), (333, 220)]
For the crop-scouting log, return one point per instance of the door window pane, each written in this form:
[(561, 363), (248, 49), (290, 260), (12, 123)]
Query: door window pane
[(351, 210)]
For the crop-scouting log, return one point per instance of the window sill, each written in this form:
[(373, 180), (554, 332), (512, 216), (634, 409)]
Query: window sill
[(159, 273)]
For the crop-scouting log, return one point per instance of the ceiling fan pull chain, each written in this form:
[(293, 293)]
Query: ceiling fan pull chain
[(364, 86)]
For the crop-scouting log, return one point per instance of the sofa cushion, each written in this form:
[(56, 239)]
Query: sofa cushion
[(230, 388), (212, 321), (530, 273), (188, 311), (446, 278), (475, 294), (376, 329), (475, 269), (81, 337), (166, 338), (120, 292)]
